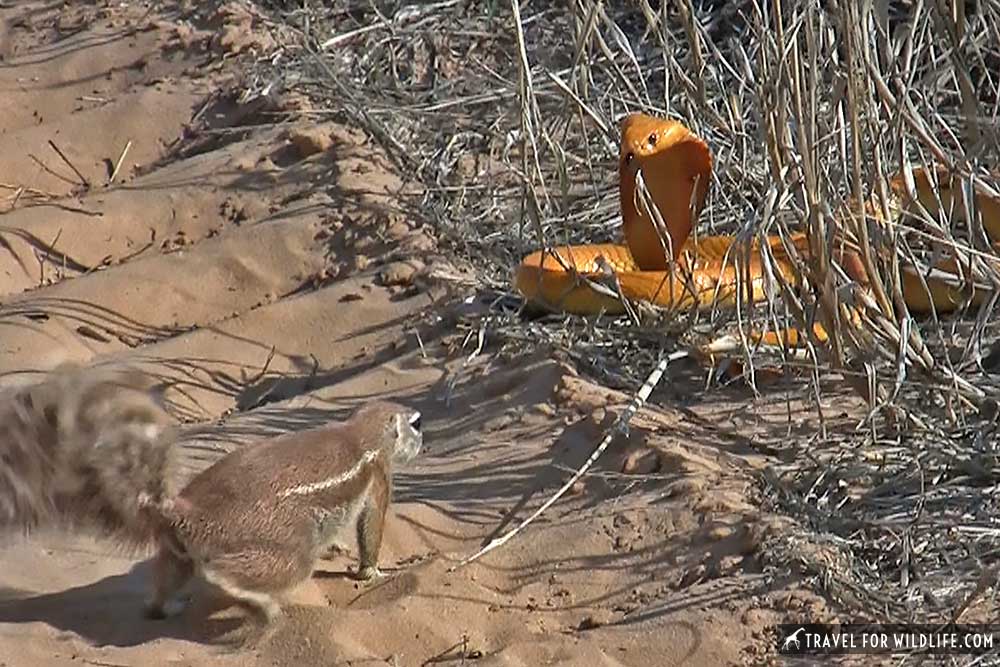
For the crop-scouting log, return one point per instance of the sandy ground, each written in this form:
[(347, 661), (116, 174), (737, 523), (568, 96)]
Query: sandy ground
[(266, 273)]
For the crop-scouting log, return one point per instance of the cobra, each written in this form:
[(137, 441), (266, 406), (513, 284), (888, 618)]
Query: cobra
[(661, 263)]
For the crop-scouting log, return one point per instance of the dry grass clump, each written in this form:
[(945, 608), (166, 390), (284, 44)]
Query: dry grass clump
[(504, 114), (507, 121)]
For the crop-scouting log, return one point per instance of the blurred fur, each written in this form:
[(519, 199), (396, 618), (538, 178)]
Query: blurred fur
[(78, 448)]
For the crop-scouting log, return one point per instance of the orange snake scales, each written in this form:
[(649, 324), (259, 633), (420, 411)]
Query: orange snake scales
[(676, 166)]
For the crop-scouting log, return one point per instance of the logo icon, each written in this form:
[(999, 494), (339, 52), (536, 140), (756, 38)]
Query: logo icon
[(792, 640)]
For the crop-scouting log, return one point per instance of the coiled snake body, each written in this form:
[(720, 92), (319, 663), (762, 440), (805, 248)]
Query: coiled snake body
[(660, 263)]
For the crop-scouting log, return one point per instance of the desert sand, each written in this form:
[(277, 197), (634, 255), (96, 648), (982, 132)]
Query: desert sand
[(265, 272)]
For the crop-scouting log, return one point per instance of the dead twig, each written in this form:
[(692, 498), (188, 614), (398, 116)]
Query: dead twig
[(118, 164), (69, 164)]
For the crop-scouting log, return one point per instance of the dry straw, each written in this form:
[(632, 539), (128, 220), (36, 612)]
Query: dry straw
[(504, 113)]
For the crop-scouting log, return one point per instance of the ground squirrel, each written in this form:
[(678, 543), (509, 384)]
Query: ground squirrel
[(95, 447)]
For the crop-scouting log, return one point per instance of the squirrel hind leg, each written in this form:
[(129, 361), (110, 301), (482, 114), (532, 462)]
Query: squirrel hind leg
[(264, 606), (252, 576)]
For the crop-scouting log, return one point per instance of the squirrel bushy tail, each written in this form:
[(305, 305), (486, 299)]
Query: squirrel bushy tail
[(86, 448)]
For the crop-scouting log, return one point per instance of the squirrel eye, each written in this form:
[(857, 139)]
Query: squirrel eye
[(415, 421), (651, 140)]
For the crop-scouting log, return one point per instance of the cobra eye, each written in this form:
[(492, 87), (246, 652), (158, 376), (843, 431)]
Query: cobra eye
[(651, 140), (628, 157)]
